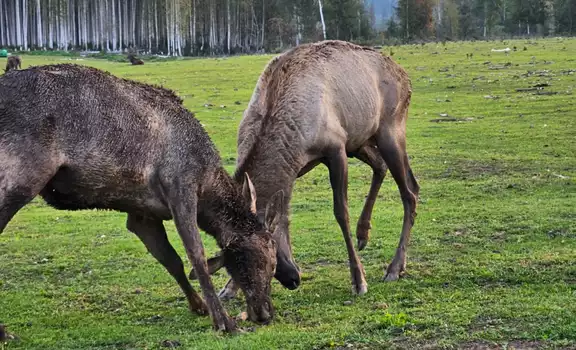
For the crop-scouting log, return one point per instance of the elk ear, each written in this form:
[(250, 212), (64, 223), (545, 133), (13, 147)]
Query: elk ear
[(274, 210), (214, 264), (249, 192)]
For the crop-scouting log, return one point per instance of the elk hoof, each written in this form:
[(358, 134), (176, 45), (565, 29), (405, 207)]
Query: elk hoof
[(201, 311), (359, 285), (360, 289), (226, 325), (391, 277), (192, 276), (362, 243), (227, 294), (199, 307), (395, 271)]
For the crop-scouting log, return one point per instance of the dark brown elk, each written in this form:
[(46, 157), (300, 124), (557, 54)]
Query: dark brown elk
[(321, 103), (84, 139), (13, 62), (134, 60)]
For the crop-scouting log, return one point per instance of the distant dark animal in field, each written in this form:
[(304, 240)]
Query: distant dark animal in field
[(13, 63), (321, 103), (84, 139), (134, 60)]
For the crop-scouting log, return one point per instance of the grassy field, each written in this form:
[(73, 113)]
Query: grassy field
[(492, 262)]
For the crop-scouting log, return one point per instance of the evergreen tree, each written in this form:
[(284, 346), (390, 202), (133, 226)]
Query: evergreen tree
[(415, 18)]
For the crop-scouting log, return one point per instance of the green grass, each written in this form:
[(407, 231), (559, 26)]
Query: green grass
[(492, 258)]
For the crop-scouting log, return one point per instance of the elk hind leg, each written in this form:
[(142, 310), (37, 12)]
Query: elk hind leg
[(391, 142)]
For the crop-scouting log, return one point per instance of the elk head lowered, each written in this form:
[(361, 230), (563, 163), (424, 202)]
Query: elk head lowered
[(241, 260)]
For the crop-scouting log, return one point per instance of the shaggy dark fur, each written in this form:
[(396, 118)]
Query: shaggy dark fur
[(134, 60), (13, 62), (82, 139)]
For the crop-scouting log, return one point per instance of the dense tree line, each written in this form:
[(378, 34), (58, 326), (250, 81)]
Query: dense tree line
[(179, 27), (478, 19)]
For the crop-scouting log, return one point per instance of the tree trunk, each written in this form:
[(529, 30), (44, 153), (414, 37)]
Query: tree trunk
[(107, 29), (194, 24), (485, 24), (102, 30), (126, 24), (168, 29), (18, 25), (551, 17), (322, 19), (3, 40), (134, 24), (211, 36), (229, 24), (25, 24), (156, 24), (86, 25), (264, 22)]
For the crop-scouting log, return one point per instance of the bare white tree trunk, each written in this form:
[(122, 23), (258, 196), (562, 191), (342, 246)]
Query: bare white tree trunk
[(66, 27), (134, 23), (263, 21), (148, 25), (81, 23), (212, 36), (113, 24), (194, 23), (56, 23), (298, 28), (120, 29), (50, 26), (18, 25), (168, 41), (229, 24), (126, 22), (86, 25), (101, 29), (3, 40), (25, 24), (253, 30), (156, 23), (238, 36), (177, 29), (322, 19), (73, 21), (9, 29), (108, 25), (551, 17), (485, 19)]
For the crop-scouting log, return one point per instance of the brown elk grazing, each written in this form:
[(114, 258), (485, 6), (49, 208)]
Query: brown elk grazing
[(13, 62), (135, 61), (321, 103), (84, 139)]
